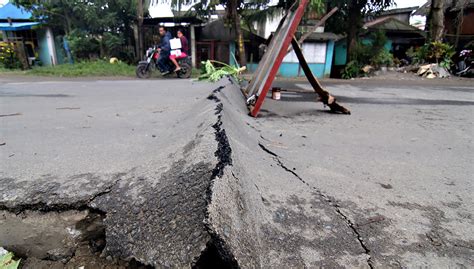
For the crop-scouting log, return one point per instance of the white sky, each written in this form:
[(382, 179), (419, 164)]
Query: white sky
[(164, 10), (409, 3)]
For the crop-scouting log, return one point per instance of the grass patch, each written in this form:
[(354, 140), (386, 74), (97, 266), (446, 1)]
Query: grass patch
[(4, 70), (84, 69)]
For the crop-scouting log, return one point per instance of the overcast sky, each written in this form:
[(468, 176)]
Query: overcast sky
[(400, 3), (409, 3)]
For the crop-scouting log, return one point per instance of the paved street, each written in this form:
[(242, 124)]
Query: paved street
[(165, 164)]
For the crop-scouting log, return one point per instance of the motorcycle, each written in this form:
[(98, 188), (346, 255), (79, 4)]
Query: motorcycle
[(465, 65), (145, 68)]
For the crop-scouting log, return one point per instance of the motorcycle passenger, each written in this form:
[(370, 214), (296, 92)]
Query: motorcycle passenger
[(165, 49), (184, 50)]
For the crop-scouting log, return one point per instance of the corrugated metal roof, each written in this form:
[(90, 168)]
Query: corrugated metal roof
[(13, 12), (390, 24), (17, 26), (450, 5), (324, 36)]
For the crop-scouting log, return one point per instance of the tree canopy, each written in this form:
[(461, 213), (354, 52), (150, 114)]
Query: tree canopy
[(102, 26)]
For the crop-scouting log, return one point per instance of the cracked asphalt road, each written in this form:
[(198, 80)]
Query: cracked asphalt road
[(388, 186), (400, 167)]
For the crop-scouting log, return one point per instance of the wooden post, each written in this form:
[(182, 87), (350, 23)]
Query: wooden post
[(193, 46), (324, 96)]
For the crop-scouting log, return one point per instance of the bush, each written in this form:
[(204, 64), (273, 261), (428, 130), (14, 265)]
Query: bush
[(373, 53), (8, 56), (83, 45), (112, 44), (434, 52), (384, 57), (351, 70)]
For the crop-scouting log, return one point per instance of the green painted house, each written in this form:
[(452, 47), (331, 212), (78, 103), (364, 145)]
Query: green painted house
[(401, 36)]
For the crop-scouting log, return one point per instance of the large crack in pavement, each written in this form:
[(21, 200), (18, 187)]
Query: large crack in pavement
[(326, 198), (217, 253), (159, 221)]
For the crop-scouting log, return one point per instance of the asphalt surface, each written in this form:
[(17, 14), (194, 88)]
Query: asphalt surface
[(121, 148), (174, 171), (400, 167)]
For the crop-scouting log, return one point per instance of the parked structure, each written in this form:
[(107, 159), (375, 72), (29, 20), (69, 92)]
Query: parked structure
[(33, 41)]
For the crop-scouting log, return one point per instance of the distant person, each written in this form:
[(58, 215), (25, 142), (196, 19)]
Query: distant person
[(184, 50), (165, 49)]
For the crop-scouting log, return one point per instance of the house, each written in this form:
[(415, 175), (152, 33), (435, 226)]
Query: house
[(217, 42), (318, 48), (401, 14), (34, 42), (401, 36), (458, 21)]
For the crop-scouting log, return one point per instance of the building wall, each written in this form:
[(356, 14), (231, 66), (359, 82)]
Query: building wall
[(467, 27), (319, 58), (340, 50)]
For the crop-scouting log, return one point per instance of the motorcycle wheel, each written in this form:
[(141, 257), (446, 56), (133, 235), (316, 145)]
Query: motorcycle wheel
[(142, 71), (186, 71)]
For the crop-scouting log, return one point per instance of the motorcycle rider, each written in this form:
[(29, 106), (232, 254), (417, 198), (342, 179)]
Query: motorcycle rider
[(184, 50), (165, 49)]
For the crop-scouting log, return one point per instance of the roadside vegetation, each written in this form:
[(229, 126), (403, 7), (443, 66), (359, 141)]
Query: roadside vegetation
[(7, 260), (371, 53), (95, 68)]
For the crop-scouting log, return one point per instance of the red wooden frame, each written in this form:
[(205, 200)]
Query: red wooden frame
[(279, 59)]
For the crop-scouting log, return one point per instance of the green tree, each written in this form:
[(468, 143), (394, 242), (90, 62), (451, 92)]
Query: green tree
[(106, 22), (350, 18)]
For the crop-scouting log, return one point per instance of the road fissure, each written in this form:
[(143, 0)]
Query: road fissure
[(326, 198)]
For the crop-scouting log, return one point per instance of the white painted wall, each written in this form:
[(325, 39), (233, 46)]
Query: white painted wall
[(313, 53)]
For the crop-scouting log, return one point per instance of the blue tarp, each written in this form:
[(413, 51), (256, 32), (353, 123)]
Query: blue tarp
[(17, 26), (13, 12)]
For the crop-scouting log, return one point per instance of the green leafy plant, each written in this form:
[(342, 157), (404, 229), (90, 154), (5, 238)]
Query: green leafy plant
[(213, 74), (371, 52), (83, 45), (383, 57), (440, 51), (7, 261), (8, 56), (351, 70), (434, 52)]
